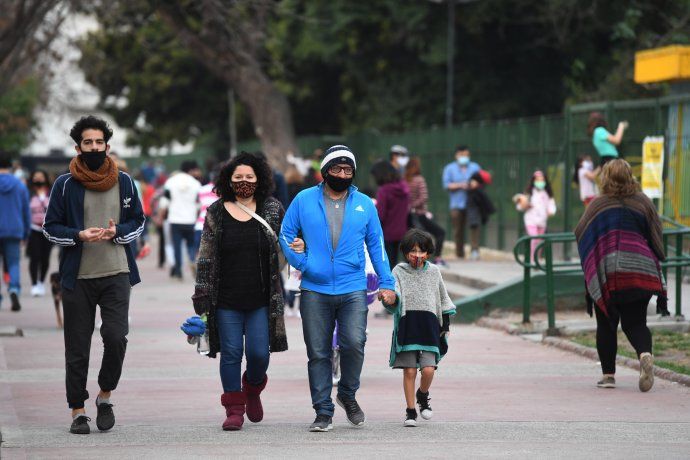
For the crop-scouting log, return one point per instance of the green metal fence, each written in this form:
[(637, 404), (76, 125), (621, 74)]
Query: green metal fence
[(512, 149), (673, 238)]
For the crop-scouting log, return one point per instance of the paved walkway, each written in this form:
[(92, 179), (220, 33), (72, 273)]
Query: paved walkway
[(495, 396)]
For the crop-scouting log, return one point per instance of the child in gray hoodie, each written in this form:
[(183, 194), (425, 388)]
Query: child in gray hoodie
[(421, 321)]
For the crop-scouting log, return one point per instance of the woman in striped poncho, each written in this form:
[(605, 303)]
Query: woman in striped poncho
[(620, 245)]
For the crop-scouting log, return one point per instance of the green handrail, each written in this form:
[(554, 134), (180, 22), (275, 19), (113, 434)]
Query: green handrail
[(523, 256)]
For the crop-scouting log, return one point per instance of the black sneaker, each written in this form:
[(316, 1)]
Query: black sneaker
[(322, 422), (80, 425), (410, 417), (105, 419), (355, 414), (424, 406), (16, 306)]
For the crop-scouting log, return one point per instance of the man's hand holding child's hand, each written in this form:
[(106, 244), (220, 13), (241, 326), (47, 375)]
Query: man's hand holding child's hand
[(387, 296)]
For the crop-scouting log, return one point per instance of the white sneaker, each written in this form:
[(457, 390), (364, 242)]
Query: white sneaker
[(410, 418), (646, 372), (34, 290), (41, 289), (474, 255)]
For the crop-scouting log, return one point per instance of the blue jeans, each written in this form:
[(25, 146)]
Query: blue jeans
[(182, 232), (319, 313), (236, 329), (9, 247), (197, 240)]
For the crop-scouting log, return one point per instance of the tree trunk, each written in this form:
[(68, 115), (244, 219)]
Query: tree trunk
[(229, 46), (270, 113)]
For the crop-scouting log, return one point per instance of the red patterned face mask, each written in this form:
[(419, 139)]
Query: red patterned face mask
[(416, 261), (243, 189)]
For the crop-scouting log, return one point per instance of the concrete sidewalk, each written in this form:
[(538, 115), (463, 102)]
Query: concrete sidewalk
[(495, 396)]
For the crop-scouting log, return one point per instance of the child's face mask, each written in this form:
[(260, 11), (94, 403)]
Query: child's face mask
[(417, 259), (539, 184)]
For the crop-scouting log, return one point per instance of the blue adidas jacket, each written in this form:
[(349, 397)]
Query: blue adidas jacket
[(341, 271), (65, 219)]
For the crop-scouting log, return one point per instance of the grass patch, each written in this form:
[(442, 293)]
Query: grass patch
[(671, 349)]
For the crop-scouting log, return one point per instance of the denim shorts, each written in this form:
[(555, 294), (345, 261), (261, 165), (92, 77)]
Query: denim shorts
[(406, 359)]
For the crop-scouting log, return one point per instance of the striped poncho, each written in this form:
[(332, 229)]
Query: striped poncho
[(620, 244)]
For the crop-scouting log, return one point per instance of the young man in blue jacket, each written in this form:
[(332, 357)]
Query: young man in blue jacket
[(95, 215), (15, 223), (335, 221)]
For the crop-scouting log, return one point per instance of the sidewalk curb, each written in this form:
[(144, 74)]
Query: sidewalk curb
[(500, 325), (591, 353)]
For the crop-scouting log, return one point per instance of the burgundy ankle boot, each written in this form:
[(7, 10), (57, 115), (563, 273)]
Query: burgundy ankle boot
[(234, 402), (255, 411)]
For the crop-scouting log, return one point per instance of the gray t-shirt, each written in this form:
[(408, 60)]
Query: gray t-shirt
[(335, 210), (102, 258)]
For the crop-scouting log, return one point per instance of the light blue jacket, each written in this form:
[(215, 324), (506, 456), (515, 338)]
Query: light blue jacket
[(453, 172), (341, 271)]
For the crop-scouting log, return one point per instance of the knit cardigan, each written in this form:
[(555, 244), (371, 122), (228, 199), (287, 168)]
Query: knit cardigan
[(421, 302), (620, 244), (205, 296)]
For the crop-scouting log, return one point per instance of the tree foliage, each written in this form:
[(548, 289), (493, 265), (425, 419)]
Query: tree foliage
[(27, 29), (150, 83), (353, 65), (16, 114)]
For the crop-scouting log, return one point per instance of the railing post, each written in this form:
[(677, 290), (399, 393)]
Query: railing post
[(664, 269), (679, 275), (550, 303), (526, 294), (567, 227)]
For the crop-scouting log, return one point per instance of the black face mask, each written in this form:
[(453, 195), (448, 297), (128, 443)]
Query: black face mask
[(39, 184), (94, 159), (338, 184)]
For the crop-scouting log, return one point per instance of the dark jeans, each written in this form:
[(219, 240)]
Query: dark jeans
[(633, 318), (38, 250), (182, 232), (319, 313), (9, 247), (392, 251), (161, 246), (242, 332), (436, 231), (111, 293), (459, 219)]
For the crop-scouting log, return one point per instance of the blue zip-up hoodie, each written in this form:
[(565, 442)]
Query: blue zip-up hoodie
[(15, 218), (341, 271), (65, 219)]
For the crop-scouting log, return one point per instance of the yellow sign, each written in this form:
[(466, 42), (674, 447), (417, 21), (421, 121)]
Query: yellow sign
[(653, 167), (670, 63)]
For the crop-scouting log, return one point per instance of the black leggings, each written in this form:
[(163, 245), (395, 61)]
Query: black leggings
[(633, 318), (38, 250)]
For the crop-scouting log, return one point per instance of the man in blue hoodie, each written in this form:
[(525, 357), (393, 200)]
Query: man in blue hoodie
[(335, 221), (15, 223)]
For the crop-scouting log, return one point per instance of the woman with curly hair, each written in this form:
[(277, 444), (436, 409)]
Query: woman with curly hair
[(238, 283), (619, 239)]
